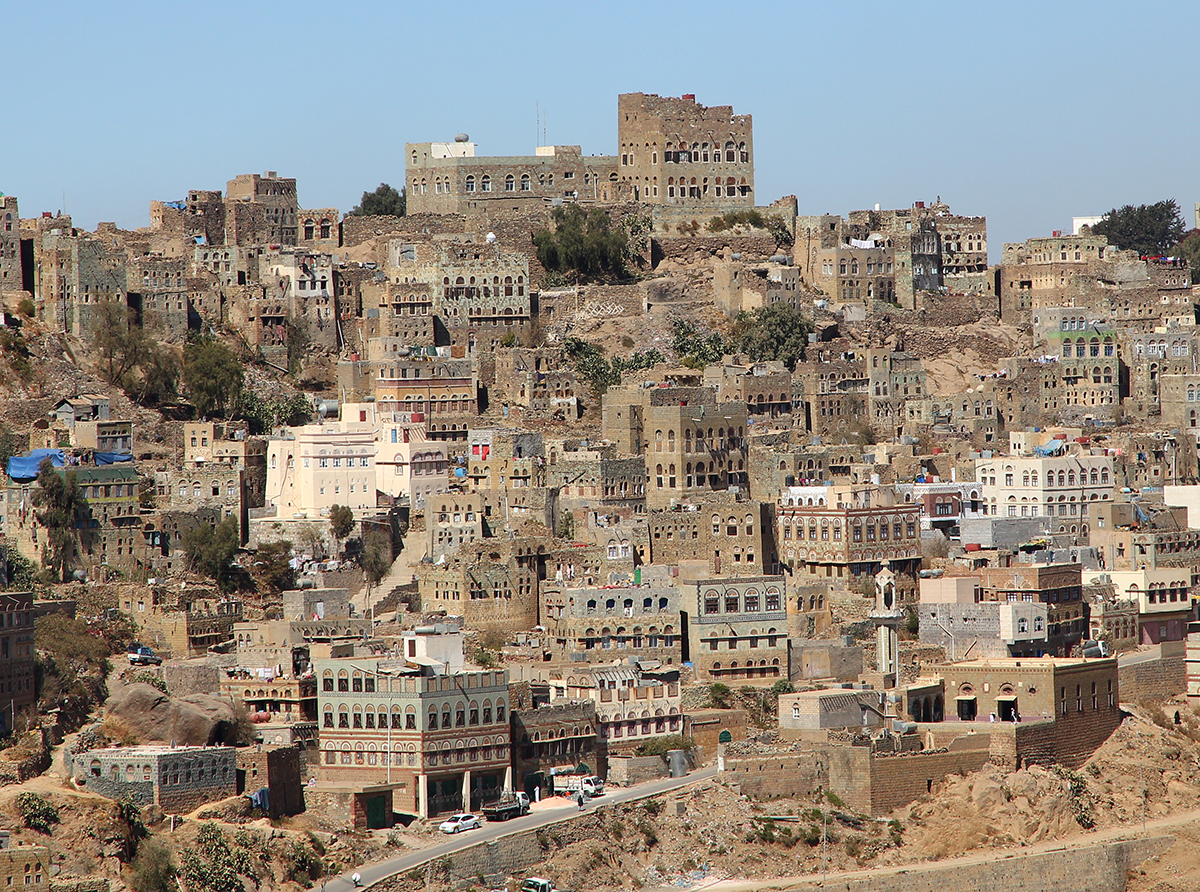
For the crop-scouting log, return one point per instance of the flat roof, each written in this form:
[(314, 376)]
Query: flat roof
[(1030, 662)]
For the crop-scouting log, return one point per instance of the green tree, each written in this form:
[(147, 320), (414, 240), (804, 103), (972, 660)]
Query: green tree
[(1189, 249), (776, 332), (213, 376), (36, 813), (8, 445), (374, 560), (583, 242), (273, 563), (158, 377), (341, 522), (383, 202), (210, 549), (64, 510), (695, 348), (1149, 229)]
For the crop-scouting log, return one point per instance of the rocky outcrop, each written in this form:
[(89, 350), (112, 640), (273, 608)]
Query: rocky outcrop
[(195, 720)]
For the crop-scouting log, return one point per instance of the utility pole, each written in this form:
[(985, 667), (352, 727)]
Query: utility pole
[(824, 838)]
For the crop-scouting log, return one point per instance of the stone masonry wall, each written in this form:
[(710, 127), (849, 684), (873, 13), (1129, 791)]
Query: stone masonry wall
[(1099, 868), (774, 777), (900, 779), (1154, 680)]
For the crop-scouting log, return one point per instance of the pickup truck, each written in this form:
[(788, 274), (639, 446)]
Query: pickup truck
[(510, 805), (143, 656), (537, 884), (565, 784)]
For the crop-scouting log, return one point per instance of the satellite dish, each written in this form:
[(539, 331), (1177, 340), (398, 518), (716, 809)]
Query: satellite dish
[(491, 238)]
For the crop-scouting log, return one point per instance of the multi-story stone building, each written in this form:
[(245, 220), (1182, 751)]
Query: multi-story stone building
[(1081, 696), (433, 393), (449, 178), (844, 532), (25, 866), (260, 210), (317, 466), (596, 624), (158, 294), (676, 152), (857, 270), (16, 655), (452, 520), (634, 701), (736, 628), (431, 725), (76, 273), (765, 387), (1059, 482), (554, 736), (12, 276), (1059, 586), (693, 445), (730, 536)]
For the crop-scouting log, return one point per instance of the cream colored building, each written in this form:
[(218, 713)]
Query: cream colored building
[(1059, 486), (314, 467), (1164, 590)]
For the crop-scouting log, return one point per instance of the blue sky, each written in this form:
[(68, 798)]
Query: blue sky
[(1028, 113)]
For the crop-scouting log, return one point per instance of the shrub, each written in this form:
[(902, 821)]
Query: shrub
[(152, 870), (660, 746), (26, 308), (36, 812)]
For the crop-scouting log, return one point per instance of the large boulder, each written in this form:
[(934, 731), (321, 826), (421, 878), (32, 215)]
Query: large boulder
[(194, 720)]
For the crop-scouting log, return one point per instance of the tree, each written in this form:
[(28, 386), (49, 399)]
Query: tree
[(776, 332), (159, 377), (210, 549), (117, 341), (213, 376), (64, 511), (273, 562), (583, 242), (1149, 229), (341, 522), (695, 348), (374, 560), (1189, 249), (152, 870), (383, 202)]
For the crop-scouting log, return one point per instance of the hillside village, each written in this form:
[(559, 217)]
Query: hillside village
[(320, 526)]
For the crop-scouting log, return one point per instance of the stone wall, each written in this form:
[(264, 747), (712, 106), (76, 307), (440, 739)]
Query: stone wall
[(687, 250), (898, 780), (777, 776), (1104, 867), (630, 770), (1155, 679), (191, 678)]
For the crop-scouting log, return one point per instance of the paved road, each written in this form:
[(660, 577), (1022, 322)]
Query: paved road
[(381, 870)]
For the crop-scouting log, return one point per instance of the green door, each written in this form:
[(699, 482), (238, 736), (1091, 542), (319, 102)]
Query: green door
[(724, 737), (376, 812)]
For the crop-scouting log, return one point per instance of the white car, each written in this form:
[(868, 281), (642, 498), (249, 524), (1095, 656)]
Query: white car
[(458, 823)]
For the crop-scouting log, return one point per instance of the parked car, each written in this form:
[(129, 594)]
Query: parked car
[(537, 884), (143, 656), (459, 823)]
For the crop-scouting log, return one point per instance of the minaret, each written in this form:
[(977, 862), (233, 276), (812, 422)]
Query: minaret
[(887, 618)]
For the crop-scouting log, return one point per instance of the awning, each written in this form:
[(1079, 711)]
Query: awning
[(966, 697), (1006, 697)]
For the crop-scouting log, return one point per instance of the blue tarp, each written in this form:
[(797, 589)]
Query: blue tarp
[(1052, 448), (24, 468), (108, 458)]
